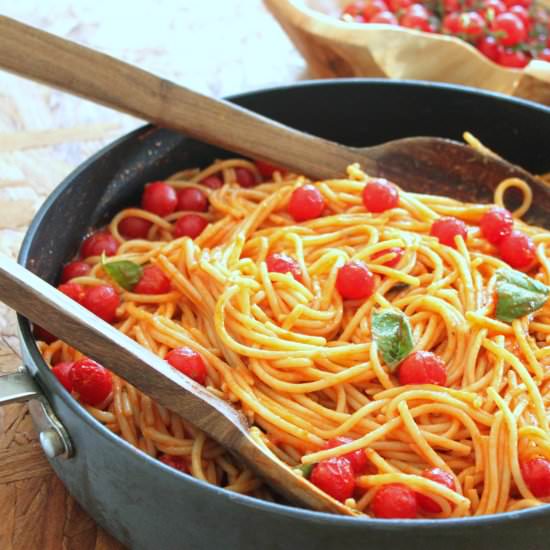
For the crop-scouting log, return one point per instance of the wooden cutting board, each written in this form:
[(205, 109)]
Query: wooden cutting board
[(45, 134)]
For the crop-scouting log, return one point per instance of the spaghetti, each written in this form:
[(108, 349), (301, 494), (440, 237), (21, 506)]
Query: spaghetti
[(300, 360)]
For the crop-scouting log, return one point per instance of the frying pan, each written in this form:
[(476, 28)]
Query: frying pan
[(147, 505)]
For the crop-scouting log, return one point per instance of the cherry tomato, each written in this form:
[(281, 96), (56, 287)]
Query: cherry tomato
[(103, 301), (191, 198), (62, 372), (450, 6), (306, 203), (398, 5), (380, 195), (176, 462), (245, 177), (190, 225), (385, 18), (524, 3), (423, 367), (267, 170), (536, 474), (374, 7), (355, 8), (471, 24), (394, 500), (517, 250), (439, 476), (160, 198), (153, 281), (451, 23), (417, 17), (213, 182), (447, 228), (41, 333), (358, 459), (355, 281), (74, 291), (188, 362), (281, 263), (91, 381), (544, 55), (491, 8), (513, 58), (134, 227), (523, 14), (489, 47), (392, 262), (99, 243), (510, 29), (496, 224), (74, 269), (335, 477)]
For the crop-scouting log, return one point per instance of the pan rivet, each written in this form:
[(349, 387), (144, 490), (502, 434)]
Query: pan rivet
[(52, 444)]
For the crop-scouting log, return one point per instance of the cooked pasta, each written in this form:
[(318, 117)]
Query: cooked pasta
[(298, 349)]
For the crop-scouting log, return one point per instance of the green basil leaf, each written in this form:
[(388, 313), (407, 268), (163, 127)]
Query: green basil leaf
[(305, 469), (518, 295), (125, 273), (392, 332)]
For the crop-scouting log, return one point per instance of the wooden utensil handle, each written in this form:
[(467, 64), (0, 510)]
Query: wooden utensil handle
[(62, 64)]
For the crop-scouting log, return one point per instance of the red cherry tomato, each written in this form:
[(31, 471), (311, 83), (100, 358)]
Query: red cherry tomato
[(398, 5), (103, 301), (245, 177), (496, 224), (355, 8), (189, 225), (423, 367), (544, 55), (74, 269), (335, 477), (213, 182), (447, 228), (42, 334), (392, 262), (451, 23), (99, 243), (193, 199), (134, 227), (385, 18), (160, 198), (281, 263), (471, 24), (510, 29), (453, 6), (153, 281), (355, 281), (513, 58), (489, 47), (517, 250), (62, 372), (380, 195), (374, 7), (267, 170), (73, 290), (536, 474), (188, 362), (524, 3), (91, 381), (358, 459), (491, 8), (306, 203), (417, 17), (176, 462), (523, 14), (394, 500), (439, 476)]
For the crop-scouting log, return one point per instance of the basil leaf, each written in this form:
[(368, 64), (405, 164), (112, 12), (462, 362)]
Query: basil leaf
[(518, 295), (305, 469), (392, 332), (125, 273)]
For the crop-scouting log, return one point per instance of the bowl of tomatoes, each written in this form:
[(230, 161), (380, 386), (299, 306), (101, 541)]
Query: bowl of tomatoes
[(497, 45)]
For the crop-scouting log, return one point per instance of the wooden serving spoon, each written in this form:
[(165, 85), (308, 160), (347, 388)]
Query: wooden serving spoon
[(46, 306), (419, 163)]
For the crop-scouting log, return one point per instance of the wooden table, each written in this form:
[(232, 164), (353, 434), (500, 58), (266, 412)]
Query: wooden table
[(218, 47)]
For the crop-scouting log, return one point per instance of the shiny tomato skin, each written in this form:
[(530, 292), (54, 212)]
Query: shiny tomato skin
[(134, 227), (384, 18), (335, 477), (152, 281), (447, 228), (306, 203), (397, 255), (193, 199), (514, 59), (438, 475), (99, 243), (358, 459), (394, 501), (91, 381), (159, 198), (490, 48), (517, 250), (374, 7), (62, 372), (281, 263), (103, 301), (74, 291), (380, 195), (267, 170), (74, 269), (496, 224), (510, 27), (423, 367), (245, 177), (189, 225), (188, 362), (212, 182), (536, 474), (355, 281)]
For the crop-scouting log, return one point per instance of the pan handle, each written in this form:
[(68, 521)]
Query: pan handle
[(19, 387)]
